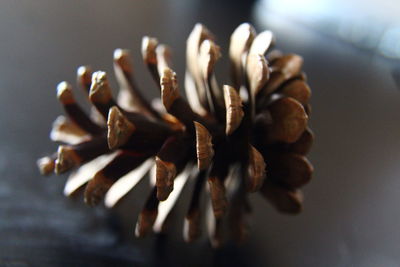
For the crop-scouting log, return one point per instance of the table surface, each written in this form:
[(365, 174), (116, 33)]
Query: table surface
[(351, 214)]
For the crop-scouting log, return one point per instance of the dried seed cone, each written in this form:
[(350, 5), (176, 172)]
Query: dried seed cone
[(226, 141)]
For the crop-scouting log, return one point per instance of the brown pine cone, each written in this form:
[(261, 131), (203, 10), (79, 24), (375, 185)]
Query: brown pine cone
[(250, 136)]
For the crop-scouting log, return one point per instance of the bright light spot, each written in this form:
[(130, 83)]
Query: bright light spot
[(390, 43)]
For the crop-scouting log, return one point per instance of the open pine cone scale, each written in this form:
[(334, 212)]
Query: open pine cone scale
[(250, 136)]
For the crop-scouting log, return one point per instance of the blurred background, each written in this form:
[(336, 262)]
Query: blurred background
[(351, 51)]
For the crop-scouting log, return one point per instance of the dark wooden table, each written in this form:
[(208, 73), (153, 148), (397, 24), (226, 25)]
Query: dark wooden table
[(351, 214)]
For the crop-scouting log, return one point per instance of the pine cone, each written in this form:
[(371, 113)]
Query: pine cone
[(249, 137)]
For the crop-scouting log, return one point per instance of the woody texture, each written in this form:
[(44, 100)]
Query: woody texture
[(221, 142)]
